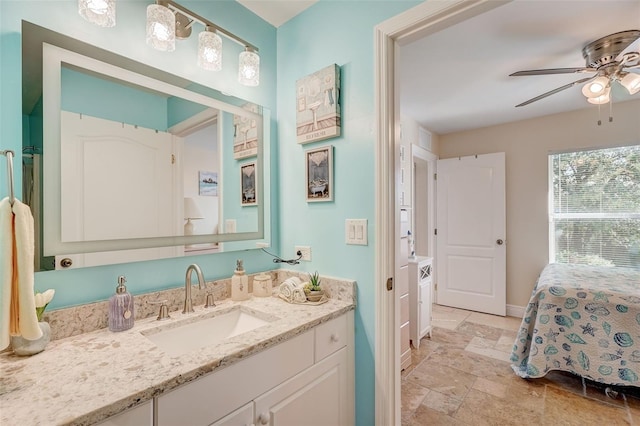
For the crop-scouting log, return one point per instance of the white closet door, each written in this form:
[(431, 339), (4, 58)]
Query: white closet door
[(471, 251)]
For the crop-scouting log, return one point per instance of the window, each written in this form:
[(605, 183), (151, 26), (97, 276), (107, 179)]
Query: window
[(594, 207)]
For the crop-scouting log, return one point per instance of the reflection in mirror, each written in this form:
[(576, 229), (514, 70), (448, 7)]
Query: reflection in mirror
[(137, 168)]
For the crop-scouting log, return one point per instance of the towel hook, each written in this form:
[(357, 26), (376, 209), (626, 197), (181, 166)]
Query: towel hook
[(9, 154)]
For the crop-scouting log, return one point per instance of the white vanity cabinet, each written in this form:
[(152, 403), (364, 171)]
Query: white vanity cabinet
[(140, 415), (308, 380), (420, 284)]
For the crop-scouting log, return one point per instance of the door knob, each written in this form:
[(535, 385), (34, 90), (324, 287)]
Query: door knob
[(499, 242)]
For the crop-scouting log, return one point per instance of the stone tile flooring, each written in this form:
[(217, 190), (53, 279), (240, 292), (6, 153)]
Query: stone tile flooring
[(461, 376)]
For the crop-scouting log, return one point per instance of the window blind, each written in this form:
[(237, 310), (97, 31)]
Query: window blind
[(594, 212)]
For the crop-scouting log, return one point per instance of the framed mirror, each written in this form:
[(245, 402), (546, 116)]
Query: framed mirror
[(137, 164)]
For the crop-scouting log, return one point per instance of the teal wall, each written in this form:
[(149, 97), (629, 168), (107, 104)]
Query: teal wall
[(80, 286), (329, 32), (119, 103), (339, 32)]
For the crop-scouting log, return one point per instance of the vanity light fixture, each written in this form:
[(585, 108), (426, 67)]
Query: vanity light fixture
[(99, 12), (168, 20)]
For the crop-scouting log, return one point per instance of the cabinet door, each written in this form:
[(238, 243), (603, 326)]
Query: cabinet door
[(316, 397), (243, 416), (136, 416), (425, 308)]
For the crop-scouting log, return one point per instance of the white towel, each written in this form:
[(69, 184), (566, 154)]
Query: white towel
[(17, 298), (292, 290)]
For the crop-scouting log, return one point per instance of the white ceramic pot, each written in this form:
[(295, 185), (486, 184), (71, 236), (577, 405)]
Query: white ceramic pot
[(25, 347)]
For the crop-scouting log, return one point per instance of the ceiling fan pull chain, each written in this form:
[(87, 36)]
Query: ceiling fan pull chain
[(611, 110), (599, 120)]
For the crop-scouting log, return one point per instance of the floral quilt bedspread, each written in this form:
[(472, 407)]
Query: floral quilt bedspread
[(585, 320)]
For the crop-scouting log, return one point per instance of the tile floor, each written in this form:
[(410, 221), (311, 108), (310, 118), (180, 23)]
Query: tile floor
[(461, 376)]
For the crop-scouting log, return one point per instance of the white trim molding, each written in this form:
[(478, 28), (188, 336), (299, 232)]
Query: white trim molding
[(516, 311), (425, 18)]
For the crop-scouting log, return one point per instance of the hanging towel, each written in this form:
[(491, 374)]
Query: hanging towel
[(17, 301)]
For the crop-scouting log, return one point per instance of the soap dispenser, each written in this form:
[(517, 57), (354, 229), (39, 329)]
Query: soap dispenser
[(121, 307), (239, 283)]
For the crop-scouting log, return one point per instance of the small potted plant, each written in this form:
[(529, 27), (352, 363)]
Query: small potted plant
[(25, 347), (312, 289)]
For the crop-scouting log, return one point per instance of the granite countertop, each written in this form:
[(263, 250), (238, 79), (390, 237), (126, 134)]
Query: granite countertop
[(86, 378)]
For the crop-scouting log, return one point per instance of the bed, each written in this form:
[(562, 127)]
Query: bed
[(584, 320)]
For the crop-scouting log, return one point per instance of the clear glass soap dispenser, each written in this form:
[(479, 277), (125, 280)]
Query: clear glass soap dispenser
[(121, 308)]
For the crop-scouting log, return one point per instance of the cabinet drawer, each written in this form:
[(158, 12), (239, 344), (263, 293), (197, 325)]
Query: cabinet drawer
[(203, 401), (136, 416), (330, 337)]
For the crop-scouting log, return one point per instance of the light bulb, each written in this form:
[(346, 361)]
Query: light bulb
[(249, 68), (595, 88), (161, 28), (99, 12)]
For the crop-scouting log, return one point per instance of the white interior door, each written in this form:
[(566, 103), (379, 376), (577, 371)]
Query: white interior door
[(117, 182), (471, 252)]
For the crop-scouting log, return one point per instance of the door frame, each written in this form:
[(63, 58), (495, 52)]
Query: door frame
[(415, 23)]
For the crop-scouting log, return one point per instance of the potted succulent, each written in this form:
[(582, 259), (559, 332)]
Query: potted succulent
[(312, 289)]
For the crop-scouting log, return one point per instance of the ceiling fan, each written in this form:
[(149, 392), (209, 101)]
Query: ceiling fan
[(610, 58)]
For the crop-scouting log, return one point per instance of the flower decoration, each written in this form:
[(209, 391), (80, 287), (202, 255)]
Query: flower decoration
[(42, 300)]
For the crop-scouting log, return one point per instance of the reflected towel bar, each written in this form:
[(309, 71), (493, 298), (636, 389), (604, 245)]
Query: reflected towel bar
[(9, 154)]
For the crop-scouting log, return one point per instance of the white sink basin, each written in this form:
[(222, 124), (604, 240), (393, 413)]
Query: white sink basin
[(188, 335)]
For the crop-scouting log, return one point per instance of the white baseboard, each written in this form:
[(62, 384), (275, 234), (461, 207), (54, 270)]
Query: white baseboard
[(515, 311)]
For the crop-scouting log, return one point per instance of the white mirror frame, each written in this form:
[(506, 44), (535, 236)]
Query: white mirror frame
[(52, 59)]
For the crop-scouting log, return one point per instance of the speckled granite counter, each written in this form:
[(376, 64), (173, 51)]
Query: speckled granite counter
[(86, 378)]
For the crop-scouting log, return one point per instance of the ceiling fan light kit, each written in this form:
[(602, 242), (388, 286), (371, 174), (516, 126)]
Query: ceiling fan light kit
[(611, 58)]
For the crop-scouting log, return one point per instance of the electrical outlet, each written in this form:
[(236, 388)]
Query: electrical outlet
[(306, 252)]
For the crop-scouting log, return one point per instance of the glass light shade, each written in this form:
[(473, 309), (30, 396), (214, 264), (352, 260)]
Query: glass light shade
[(99, 12), (249, 68), (602, 99), (596, 87), (161, 28), (209, 51), (631, 82)]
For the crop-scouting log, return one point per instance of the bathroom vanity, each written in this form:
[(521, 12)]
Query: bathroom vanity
[(297, 368)]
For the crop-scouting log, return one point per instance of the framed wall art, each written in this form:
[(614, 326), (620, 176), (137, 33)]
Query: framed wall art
[(319, 174), (248, 185), (245, 135), (318, 105), (208, 184)]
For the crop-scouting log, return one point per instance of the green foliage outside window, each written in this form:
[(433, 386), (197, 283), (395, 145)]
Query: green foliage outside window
[(596, 206)]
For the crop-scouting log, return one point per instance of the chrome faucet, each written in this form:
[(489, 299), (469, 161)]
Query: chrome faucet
[(188, 308)]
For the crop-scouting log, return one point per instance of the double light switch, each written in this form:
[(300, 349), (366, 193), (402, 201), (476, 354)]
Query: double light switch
[(356, 231)]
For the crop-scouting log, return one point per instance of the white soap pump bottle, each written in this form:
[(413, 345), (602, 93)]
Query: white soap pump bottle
[(239, 283)]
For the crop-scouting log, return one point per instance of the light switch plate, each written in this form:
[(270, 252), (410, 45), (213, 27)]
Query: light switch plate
[(230, 226), (355, 231)]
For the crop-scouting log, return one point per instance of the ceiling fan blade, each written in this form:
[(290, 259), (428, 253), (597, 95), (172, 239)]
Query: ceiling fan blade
[(553, 71), (554, 91)]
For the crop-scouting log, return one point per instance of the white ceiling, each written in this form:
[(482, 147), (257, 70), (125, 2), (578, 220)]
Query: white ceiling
[(276, 12), (458, 78)]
